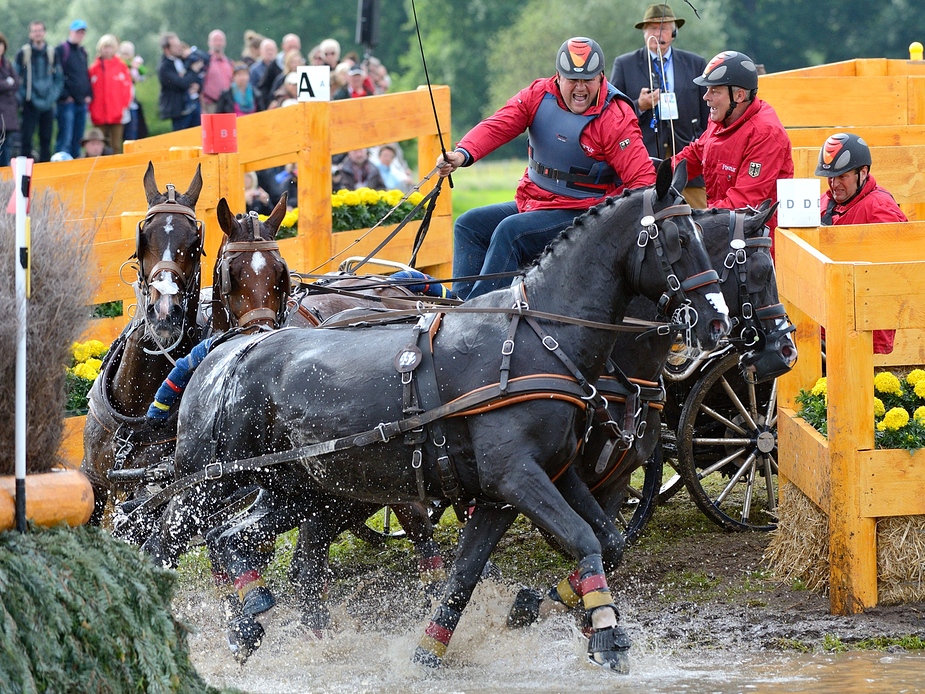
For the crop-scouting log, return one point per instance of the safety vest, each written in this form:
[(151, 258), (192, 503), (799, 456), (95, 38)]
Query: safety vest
[(557, 161)]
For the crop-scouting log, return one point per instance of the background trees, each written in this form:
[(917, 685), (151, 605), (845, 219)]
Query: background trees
[(488, 49)]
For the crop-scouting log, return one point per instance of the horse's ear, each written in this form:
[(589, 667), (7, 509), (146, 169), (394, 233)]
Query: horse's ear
[(765, 211), (151, 191), (226, 219), (195, 187), (679, 182), (278, 213), (663, 179)]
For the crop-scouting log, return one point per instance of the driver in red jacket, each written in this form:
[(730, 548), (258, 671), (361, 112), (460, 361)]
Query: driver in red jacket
[(745, 148), (854, 197)]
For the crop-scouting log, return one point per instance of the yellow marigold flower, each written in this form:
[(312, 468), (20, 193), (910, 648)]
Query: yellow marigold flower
[(415, 198), (894, 420), (879, 409), (336, 201), (920, 389), (886, 382), (393, 196), (821, 387), (352, 198), (291, 218), (368, 196), (915, 376), (87, 370), (919, 414)]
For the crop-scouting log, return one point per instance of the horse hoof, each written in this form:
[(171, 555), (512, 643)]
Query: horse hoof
[(491, 572), (526, 608), (609, 648), (258, 600), (244, 636), (426, 658)]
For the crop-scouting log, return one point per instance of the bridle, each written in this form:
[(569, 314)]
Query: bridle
[(230, 252), (663, 235), (145, 279), (760, 347)]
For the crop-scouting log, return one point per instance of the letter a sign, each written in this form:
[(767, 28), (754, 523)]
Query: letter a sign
[(314, 83)]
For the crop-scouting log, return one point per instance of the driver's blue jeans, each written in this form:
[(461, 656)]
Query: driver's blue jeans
[(497, 238)]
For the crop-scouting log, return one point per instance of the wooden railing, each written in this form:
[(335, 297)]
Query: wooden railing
[(107, 193), (851, 280)]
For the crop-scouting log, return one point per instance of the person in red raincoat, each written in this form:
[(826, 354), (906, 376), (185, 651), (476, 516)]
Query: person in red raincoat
[(111, 82)]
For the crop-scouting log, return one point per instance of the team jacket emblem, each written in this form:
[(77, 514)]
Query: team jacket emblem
[(754, 168)]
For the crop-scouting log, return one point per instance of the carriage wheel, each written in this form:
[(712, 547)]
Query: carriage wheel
[(640, 500), (379, 528), (671, 482), (727, 447)]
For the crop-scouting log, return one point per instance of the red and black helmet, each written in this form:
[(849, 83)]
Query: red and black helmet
[(580, 58), (732, 69), (841, 153)]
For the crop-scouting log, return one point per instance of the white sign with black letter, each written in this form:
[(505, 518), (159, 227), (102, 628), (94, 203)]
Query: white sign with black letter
[(314, 83), (799, 202)]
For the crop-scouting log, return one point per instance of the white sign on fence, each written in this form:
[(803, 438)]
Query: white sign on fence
[(799, 202), (314, 83)]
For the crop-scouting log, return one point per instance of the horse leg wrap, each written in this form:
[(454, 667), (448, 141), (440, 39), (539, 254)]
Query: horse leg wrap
[(526, 608), (593, 586), (256, 597), (432, 570), (610, 648), (432, 646), (244, 636), (566, 592)]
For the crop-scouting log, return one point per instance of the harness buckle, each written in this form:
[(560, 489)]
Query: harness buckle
[(416, 458), (381, 428), (643, 239), (592, 396), (674, 284), (213, 471), (747, 310), (507, 348), (549, 342), (641, 429), (406, 377), (729, 261), (741, 256)]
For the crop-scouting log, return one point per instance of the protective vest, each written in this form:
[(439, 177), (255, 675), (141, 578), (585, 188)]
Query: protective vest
[(558, 163)]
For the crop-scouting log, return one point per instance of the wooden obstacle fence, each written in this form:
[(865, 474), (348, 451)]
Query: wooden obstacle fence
[(107, 195), (851, 280)]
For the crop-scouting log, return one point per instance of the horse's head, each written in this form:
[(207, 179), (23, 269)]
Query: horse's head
[(251, 280), (740, 245), (671, 265), (168, 247)]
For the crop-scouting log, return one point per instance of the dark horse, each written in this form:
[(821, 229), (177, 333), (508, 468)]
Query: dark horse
[(738, 244), (168, 249), (302, 396)]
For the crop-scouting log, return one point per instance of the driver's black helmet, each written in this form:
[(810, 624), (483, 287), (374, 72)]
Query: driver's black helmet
[(841, 153), (730, 68), (580, 58)]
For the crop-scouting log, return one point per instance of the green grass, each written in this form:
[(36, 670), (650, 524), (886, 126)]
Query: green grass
[(486, 183)]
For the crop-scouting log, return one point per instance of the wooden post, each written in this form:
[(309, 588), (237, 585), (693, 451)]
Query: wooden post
[(849, 367), (314, 160)]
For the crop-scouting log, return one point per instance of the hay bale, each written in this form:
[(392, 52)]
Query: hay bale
[(82, 612), (799, 547), (57, 315), (901, 559)]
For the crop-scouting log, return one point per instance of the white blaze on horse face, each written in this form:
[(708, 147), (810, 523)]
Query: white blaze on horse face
[(258, 262), (718, 302)]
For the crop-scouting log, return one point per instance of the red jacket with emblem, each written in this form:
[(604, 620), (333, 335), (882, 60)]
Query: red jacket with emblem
[(613, 137), (111, 82), (741, 164), (873, 205)]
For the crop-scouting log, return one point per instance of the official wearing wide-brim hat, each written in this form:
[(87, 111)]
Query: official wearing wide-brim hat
[(656, 14)]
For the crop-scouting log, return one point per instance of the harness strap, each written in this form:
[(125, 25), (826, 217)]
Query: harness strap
[(557, 175), (540, 386)]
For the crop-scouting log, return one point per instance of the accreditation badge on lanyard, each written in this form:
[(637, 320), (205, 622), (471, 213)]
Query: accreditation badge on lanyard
[(667, 106)]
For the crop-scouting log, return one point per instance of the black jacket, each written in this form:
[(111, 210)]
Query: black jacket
[(631, 73), (75, 65), (173, 98)]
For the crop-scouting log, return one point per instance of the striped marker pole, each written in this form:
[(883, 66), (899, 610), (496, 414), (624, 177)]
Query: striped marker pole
[(23, 178)]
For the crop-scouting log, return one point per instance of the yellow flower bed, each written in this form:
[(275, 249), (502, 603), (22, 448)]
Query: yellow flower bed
[(84, 369)]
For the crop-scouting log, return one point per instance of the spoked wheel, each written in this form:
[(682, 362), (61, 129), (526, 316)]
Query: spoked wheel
[(671, 482), (379, 528), (640, 499), (727, 447)]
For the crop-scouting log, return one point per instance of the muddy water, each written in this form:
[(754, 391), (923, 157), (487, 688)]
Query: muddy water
[(371, 653)]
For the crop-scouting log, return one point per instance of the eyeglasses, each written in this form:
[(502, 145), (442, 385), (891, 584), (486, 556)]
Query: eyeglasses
[(330, 52)]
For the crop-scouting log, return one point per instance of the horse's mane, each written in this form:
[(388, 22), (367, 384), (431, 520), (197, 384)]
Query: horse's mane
[(579, 222)]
